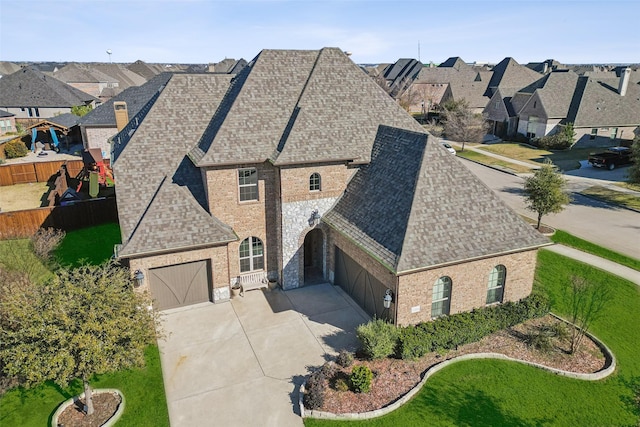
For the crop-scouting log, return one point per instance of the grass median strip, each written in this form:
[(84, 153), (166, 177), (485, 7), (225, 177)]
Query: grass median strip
[(491, 161), (627, 200), (565, 159), (567, 239)]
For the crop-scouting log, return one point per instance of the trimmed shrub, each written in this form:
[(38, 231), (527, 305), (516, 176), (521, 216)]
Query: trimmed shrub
[(344, 359), (450, 332), (378, 338), (360, 379), (14, 149), (315, 390)]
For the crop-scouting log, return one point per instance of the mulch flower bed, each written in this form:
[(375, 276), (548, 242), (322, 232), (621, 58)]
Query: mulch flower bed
[(393, 378), (105, 406)]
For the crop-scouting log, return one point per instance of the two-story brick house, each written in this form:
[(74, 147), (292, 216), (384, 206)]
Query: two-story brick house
[(301, 169)]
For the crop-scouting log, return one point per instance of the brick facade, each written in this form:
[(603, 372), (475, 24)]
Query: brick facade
[(219, 264), (469, 285)]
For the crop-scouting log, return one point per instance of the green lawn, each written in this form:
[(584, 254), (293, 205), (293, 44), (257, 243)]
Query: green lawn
[(627, 200), (491, 392), (491, 161), (92, 245), (565, 160), (575, 242), (16, 254), (143, 390)]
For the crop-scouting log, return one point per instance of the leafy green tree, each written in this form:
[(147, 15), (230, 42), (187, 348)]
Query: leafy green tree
[(544, 192), (634, 169), (85, 321), (81, 110)]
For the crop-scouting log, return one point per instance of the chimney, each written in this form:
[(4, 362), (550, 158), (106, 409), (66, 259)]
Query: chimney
[(624, 81), (122, 115)]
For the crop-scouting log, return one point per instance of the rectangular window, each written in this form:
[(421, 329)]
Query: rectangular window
[(594, 133), (3, 126), (614, 133), (248, 184)]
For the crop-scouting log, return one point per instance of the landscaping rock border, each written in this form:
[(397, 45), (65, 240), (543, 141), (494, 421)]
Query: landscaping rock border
[(610, 366), (64, 405)]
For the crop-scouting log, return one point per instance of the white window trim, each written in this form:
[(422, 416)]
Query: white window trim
[(247, 185), (251, 256), (433, 301)]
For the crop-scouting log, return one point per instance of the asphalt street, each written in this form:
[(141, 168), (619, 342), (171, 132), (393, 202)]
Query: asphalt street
[(607, 225)]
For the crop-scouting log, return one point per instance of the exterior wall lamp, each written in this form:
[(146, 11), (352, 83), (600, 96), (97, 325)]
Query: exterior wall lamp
[(386, 301), (314, 219), (139, 276)]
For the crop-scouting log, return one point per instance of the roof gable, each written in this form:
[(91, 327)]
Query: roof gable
[(598, 104), (509, 74)]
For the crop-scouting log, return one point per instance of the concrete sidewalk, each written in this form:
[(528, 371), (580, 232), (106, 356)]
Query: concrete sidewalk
[(242, 363), (601, 263)]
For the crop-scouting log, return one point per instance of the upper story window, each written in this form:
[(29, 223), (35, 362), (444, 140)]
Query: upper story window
[(248, 184), (614, 133), (594, 133), (314, 182), (251, 255), (495, 286), (441, 301)]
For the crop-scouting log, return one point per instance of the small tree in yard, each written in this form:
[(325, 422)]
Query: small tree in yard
[(85, 321), (544, 192), (587, 300), (461, 124)]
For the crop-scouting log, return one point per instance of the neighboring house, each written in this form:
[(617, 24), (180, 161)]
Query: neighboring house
[(99, 125), (227, 66), (90, 81), (32, 95), (535, 110), (301, 170), (452, 80), (7, 122), (603, 110), (148, 71), (508, 75)]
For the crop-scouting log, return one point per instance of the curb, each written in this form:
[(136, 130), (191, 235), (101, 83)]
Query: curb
[(615, 205), (64, 405), (610, 366)]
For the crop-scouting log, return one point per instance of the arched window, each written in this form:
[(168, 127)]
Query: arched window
[(495, 287), (314, 182), (441, 297), (251, 255)]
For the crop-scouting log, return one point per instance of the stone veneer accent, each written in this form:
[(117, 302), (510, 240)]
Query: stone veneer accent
[(296, 224), (219, 265)]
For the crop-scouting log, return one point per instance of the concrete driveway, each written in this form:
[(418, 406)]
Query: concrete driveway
[(242, 363)]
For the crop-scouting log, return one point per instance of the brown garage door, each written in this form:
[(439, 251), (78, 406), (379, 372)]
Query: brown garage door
[(180, 285), (363, 287)]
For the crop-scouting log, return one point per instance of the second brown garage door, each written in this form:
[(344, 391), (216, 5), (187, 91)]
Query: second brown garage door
[(180, 285), (361, 285)]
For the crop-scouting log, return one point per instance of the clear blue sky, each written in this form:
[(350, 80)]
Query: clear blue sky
[(201, 31)]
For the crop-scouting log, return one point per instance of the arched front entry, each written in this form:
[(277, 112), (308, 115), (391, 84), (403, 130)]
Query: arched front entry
[(314, 257)]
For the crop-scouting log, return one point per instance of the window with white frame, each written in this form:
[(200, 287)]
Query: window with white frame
[(251, 255), (495, 286), (614, 133), (594, 133), (314, 182), (248, 184), (441, 300)]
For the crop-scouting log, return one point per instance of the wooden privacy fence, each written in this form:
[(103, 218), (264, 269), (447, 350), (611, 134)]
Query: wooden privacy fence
[(79, 215), (22, 173)]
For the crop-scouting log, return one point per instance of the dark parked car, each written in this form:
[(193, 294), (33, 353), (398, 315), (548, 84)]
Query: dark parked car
[(614, 156)]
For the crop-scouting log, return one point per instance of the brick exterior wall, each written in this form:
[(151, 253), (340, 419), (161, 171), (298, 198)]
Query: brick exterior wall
[(469, 285), (248, 218), (219, 265), (98, 137)]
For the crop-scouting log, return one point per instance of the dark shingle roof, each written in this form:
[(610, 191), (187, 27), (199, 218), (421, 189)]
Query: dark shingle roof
[(598, 104), (72, 73), (4, 113), (556, 93), (455, 62), (29, 87), (67, 120), (151, 167), (135, 97), (429, 224), (288, 107), (509, 74)]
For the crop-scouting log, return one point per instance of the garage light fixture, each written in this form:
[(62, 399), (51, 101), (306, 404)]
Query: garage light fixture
[(139, 276), (386, 301), (314, 219)]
